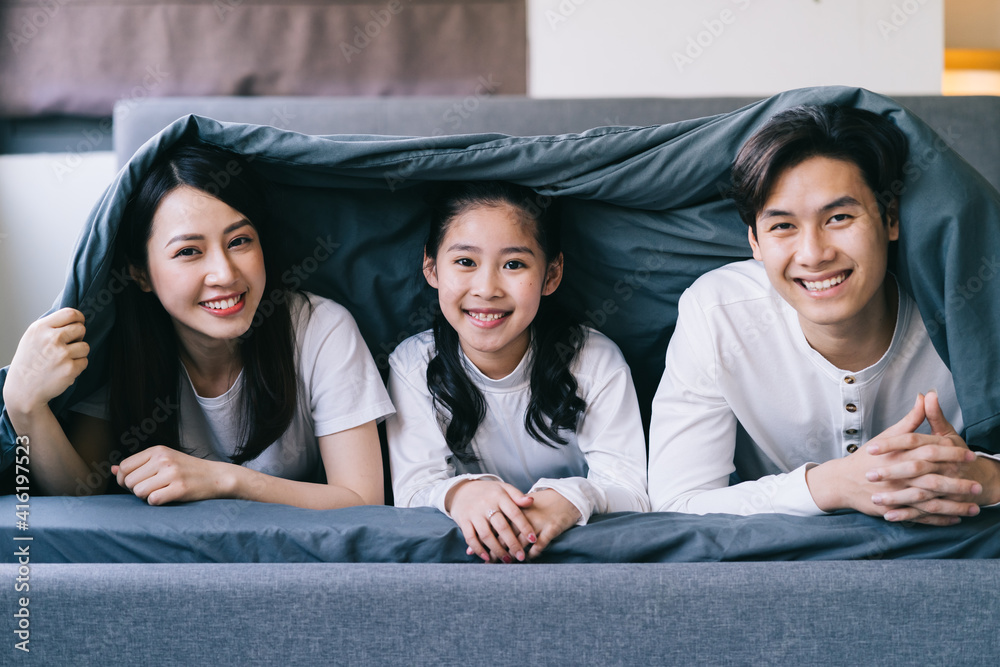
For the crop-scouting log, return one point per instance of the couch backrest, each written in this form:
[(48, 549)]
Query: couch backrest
[(971, 125)]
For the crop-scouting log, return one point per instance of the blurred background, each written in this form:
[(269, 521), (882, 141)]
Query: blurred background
[(65, 63)]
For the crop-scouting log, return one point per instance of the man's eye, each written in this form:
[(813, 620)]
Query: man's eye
[(514, 264), (781, 226), (840, 217)]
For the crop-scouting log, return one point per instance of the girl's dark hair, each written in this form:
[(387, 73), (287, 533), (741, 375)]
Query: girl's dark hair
[(866, 139), (555, 341), (145, 361)]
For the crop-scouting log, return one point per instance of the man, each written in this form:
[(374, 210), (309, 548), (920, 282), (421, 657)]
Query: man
[(806, 370)]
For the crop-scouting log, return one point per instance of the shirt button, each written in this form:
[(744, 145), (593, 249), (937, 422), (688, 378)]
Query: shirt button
[(850, 407), (851, 448), (849, 379), (851, 431)]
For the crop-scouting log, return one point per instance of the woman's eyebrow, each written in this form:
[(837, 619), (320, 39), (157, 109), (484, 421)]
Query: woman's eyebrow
[(201, 237)]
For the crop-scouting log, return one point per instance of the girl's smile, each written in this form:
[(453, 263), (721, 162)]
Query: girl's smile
[(491, 273)]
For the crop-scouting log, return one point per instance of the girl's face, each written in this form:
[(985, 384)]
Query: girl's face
[(206, 266), (491, 274)]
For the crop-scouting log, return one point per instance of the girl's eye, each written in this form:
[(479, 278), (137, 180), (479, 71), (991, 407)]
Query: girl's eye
[(514, 264), (465, 261)]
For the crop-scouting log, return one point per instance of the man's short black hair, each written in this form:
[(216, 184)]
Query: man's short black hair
[(866, 139)]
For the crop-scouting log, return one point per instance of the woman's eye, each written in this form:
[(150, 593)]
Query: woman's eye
[(186, 252), (465, 261), (514, 264), (239, 241)]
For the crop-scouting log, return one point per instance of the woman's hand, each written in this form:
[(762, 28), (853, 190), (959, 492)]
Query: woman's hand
[(485, 511), (49, 358), (162, 475), (552, 515)]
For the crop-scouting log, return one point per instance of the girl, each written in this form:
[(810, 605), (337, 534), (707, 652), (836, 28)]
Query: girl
[(211, 394), (510, 420)]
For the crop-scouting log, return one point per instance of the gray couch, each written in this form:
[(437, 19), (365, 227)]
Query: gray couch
[(820, 612)]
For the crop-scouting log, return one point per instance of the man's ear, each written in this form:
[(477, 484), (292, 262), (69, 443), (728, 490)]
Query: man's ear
[(140, 277), (892, 220), (430, 270), (553, 276), (754, 245)]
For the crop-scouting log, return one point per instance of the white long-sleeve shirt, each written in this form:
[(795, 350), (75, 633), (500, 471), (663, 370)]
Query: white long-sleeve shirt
[(602, 468), (743, 391)]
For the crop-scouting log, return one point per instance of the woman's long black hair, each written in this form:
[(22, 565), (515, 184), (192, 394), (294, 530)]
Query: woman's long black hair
[(145, 357), (555, 341)]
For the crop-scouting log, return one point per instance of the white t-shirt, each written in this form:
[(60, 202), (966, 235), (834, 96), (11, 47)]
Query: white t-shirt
[(339, 388), (601, 469), (743, 390)]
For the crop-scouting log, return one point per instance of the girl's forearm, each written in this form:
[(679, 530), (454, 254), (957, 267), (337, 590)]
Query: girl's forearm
[(247, 484)]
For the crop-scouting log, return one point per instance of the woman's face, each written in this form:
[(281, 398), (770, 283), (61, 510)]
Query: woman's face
[(206, 266)]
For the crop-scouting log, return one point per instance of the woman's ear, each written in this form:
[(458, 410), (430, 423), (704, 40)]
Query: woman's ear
[(553, 276), (430, 270), (140, 278), (892, 220)]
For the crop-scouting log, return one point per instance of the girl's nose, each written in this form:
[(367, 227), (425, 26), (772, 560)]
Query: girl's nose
[(487, 284)]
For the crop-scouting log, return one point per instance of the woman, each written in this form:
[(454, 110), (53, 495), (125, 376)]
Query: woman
[(208, 397)]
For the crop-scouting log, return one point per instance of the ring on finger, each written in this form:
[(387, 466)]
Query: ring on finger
[(489, 515)]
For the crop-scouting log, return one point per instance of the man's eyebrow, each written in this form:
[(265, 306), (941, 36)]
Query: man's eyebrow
[(839, 202), (846, 200), (200, 237), (774, 213)]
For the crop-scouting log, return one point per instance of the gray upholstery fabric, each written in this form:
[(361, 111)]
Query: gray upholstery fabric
[(970, 125), (860, 613)]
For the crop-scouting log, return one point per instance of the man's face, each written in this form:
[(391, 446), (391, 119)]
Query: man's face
[(825, 247)]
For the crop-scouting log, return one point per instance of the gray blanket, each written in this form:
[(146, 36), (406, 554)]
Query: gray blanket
[(124, 529), (643, 216)]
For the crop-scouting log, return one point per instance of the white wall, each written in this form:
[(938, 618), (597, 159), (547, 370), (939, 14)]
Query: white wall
[(44, 201), (682, 48)]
